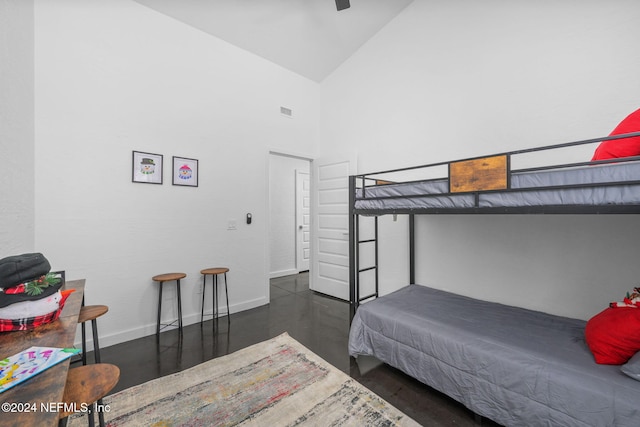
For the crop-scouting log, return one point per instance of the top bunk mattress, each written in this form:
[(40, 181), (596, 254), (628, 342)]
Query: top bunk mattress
[(595, 185), (513, 365)]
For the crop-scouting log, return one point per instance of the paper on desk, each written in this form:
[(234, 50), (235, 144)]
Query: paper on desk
[(30, 362)]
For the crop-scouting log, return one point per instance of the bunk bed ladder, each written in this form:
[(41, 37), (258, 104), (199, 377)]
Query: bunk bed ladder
[(354, 247), (374, 267)]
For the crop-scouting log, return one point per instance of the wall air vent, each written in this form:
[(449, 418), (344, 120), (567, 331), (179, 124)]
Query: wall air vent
[(287, 112)]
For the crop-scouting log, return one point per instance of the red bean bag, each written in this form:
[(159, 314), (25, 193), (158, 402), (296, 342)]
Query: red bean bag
[(613, 335), (625, 147)]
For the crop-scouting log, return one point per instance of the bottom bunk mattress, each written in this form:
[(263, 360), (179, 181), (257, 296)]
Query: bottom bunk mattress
[(515, 366)]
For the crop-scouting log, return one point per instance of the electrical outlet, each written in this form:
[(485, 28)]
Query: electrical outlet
[(232, 225)]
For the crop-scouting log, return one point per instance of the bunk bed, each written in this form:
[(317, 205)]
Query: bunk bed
[(478, 352)]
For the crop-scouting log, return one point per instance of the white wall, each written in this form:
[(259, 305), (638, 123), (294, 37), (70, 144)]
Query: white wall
[(454, 79), (282, 210), (112, 77), (16, 128)]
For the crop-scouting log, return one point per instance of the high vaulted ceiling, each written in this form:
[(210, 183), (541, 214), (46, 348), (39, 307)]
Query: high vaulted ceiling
[(308, 37)]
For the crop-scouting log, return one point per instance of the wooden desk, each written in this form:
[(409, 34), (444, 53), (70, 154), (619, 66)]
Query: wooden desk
[(48, 386)]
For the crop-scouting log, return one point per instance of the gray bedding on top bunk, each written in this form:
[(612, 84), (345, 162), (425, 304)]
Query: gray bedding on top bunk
[(515, 366), (438, 196)]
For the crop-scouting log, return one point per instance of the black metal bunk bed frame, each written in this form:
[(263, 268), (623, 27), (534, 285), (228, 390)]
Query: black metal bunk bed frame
[(363, 181)]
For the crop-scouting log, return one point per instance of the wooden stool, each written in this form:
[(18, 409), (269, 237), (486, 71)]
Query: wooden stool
[(87, 385), (161, 278), (214, 272), (91, 312)]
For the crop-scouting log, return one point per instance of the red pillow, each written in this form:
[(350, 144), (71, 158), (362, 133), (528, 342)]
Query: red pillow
[(625, 147), (613, 335)]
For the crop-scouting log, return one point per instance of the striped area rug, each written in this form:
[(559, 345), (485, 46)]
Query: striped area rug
[(274, 383)]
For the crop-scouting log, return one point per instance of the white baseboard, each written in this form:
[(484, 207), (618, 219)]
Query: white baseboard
[(282, 273), (150, 328)]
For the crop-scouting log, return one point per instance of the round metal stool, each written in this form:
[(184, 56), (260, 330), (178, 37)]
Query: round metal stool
[(87, 385), (91, 313), (214, 272), (161, 279)]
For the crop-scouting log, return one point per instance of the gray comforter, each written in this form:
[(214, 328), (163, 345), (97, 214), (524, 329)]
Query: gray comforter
[(515, 366)]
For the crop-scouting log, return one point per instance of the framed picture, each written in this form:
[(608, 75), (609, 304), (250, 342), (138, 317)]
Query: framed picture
[(185, 171), (146, 167)]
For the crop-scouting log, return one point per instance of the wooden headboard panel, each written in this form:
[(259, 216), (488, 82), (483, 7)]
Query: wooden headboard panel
[(486, 173)]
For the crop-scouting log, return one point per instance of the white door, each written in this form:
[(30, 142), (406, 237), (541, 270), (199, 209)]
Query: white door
[(303, 220), (330, 219)]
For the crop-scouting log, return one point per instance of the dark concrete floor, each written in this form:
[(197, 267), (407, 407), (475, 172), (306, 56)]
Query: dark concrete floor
[(319, 322)]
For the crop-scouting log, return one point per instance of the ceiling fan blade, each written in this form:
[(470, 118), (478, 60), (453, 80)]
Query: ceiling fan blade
[(342, 4)]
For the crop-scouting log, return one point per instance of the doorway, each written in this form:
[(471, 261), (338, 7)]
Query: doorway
[(321, 232), (289, 214)]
